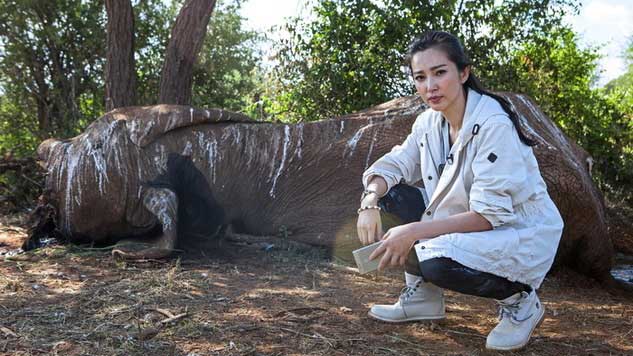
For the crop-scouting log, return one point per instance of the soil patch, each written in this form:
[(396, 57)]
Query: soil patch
[(263, 299)]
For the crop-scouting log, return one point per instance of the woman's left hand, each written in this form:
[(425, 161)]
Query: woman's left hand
[(395, 245)]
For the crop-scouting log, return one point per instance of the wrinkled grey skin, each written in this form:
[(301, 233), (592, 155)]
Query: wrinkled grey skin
[(263, 177)]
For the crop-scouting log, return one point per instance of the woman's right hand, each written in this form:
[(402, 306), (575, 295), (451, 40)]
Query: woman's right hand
[(369, 226)]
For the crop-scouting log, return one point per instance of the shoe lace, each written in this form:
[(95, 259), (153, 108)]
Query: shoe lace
[(511, 309), (408, 291)]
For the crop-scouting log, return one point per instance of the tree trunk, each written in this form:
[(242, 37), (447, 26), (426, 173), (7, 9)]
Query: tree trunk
[(186, 40), (120, 74), (40, 93)]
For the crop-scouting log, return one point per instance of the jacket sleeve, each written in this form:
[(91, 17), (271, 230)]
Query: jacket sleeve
[(499, 172), (403, 162)]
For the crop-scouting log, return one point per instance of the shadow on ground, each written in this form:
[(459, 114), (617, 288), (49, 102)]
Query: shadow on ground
[(257, 299)]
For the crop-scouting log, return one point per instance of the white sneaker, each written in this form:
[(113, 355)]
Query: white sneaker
[(418, 301), (519, 315)]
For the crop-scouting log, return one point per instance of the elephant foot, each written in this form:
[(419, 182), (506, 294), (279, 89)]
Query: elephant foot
[(131, 249), (163, 203)]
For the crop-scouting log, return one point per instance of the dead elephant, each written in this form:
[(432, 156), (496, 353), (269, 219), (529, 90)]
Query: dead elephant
[(172, 173)]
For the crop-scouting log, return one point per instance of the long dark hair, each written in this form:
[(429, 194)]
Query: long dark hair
[(456, 54)]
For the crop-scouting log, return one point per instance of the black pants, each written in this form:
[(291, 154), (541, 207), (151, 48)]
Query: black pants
[(407, 205)]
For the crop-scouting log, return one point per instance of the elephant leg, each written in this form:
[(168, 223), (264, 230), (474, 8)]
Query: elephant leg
[(163, 203)]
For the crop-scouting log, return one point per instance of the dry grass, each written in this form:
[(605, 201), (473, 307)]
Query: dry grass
[(247, 301)]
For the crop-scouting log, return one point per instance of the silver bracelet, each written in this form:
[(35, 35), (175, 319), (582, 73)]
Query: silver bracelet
[(363, 208)]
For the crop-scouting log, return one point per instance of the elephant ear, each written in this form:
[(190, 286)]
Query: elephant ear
[(146, 124)]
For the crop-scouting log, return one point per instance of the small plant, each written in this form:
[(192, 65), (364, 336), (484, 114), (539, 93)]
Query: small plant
[(171, 274)]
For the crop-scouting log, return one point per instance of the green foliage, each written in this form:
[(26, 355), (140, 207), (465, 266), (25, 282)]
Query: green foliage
[(153, 20), (558, 75), (226, 71), (621, 88), (349, 56), (16, 129), (52, 55), (50, 67), (619, 93)]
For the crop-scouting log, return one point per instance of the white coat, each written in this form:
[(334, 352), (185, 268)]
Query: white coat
[(489, 171)]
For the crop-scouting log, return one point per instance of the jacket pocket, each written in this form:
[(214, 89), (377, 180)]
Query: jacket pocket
[(494, 245)]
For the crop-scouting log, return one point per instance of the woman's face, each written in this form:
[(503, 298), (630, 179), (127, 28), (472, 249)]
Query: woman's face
[(438, 81)]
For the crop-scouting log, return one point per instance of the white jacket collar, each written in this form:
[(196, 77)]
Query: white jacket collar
[(478, 109)]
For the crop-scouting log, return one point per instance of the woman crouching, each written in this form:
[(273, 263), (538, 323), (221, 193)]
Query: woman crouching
[(487, 226)]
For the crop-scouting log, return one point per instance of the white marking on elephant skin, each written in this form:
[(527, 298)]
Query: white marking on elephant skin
[(140, 176), (148, 127), (342, 126), (552, 128), (135, 135), (73, 161), (88, 163), (211, 147), (283, 159), (172, 122), (352, 142), (300, 139), (371, 148), (275, 143), (526, 123), (201, 139), (116, 147), (191, 114), (100, 164), (133, 129), (232, 131), (57, 165), (251, 148), (162, 203), (160, 160), (187, 150)]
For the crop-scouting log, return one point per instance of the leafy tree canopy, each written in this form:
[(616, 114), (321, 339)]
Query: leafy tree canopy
[(348, 57), (621, 88), (52, 56)]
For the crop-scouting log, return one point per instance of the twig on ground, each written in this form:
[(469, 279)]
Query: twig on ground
[(315, 336), (165, 312), (298, 311), (462, 333), (324, 339), (8, 331), (389, 350), (403, 340), (173, 318)]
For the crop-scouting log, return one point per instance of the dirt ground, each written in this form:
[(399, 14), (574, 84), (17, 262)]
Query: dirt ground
[(250, 299)]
